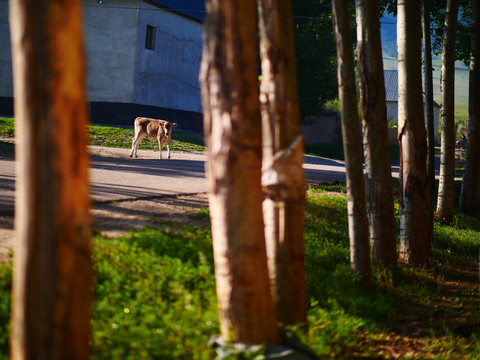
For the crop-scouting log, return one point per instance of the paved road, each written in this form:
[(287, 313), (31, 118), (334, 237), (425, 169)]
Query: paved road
[(115, 176)]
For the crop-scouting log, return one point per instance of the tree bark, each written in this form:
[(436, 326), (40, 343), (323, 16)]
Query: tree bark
[(428, 79), (414, 246), (468, 194), (445, 203), (357, 212), (230, 97), (282, 172), (52, 263), (379, 184)]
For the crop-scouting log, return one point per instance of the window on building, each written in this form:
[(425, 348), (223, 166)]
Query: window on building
[(150, 38)]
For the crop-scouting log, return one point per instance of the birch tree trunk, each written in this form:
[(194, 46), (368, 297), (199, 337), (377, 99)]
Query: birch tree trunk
[(230, 97), (357, 211), (445, 203), (375, 134), (428, 79), (468, 194), (414, 245), (52, 263), (282, 172)]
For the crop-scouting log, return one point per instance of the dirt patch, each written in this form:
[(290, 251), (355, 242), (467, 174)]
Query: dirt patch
[(114, 219)]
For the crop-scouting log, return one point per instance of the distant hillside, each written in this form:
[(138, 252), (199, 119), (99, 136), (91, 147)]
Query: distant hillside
[(389, 47)]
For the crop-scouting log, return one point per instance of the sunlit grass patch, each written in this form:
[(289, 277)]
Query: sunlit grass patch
[(7, 127), (122, 138), (154, 297)]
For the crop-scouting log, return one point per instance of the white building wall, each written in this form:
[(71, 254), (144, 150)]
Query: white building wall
[(111, 34), (168, 75), (6, 83)]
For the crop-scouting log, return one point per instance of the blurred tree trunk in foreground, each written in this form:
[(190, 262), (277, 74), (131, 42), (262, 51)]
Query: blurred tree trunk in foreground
[(379, 184), (414, 244), (52, 274), (357, 211), (282, 172), (230, 97)]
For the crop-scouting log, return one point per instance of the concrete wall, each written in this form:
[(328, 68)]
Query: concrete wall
[(6, 83), (111, 34), (168, 75), (322, 129)]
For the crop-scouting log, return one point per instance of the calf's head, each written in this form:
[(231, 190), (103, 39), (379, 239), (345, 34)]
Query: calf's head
[(167, 128)]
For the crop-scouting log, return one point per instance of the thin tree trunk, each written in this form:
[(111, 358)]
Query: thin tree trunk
[(468, 194), (52, 274), (414, 245), (230, 96), (357, 211), (283, 176), (446, 189), (428, 78), (375, 134)]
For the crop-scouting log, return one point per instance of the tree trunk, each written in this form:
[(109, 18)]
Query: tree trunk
[(375, 134), (283, 177), (414, 246), (468, 194), (357, 211), (446, 189), (52, 274), (230, 96), (427, 53)]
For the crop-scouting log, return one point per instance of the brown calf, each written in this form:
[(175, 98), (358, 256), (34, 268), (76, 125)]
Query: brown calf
[(159, 129)]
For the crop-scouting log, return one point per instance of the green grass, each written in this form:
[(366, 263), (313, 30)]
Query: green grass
[(461, 118), (5, 287), (122, 138), (7, 127), (154, 296), (155, 293)]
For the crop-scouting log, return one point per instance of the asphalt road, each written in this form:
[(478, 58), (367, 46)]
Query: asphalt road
[(116, 176)]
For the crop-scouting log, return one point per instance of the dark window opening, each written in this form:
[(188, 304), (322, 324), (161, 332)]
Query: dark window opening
[(150, 38)]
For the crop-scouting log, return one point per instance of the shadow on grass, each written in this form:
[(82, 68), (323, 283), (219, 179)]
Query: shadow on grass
[(420, 303)]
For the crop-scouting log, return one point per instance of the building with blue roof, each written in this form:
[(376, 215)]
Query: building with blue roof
[(391, 98)]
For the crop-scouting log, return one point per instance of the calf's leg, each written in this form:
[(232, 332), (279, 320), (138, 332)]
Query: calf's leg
[(160, 147), (135, 142)]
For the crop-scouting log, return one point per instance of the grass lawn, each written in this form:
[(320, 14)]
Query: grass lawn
[(154, 289), (155, 294), (461, 118), (122, 138)]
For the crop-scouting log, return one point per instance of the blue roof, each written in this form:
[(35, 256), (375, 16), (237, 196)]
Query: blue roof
[(391, 86), (191, 8)]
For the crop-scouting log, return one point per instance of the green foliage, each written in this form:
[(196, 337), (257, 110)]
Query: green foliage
[(437, 18), (7, 127), (315, 52)]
